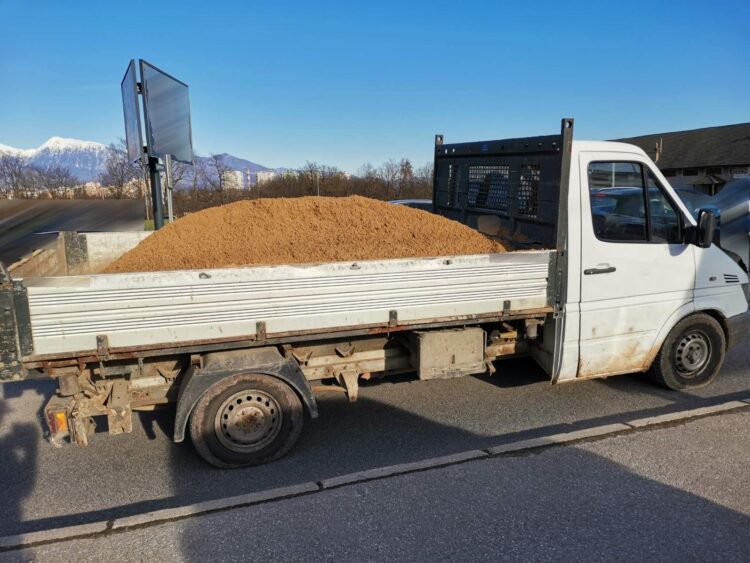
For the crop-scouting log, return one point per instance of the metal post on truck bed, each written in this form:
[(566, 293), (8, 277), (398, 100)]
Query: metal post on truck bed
[(561, 257), (15, 327), (560, 286)]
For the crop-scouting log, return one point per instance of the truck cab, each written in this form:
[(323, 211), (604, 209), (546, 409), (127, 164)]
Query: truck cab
[(639, 284), (641, 271)]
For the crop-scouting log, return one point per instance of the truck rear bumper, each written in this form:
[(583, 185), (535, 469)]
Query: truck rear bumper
[(738, 328)]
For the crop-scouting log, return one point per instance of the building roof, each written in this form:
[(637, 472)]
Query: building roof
[(725, 145)]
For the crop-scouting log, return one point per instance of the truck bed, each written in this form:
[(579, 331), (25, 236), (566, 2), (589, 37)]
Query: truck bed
[(169, 309)]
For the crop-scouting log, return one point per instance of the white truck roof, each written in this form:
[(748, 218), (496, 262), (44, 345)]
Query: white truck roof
[(607, 146)]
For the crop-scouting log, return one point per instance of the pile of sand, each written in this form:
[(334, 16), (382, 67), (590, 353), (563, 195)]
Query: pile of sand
[(301, 230)]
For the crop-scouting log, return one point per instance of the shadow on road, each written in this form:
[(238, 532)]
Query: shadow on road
[(561, 504), (392, 423), (18, 469)]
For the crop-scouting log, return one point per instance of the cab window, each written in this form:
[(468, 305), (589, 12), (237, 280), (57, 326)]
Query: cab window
[(628, 205), (665, 218)]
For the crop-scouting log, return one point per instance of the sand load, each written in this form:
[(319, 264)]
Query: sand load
[(301, 230)]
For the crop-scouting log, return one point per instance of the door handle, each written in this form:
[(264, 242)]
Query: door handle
[(603, 269)]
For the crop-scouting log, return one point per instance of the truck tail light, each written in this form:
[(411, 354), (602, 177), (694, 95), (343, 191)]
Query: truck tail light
[(58, 422)]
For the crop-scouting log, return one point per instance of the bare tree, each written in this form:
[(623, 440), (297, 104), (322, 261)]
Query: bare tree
[(424, 173), (200, 170), (367, 170), (57, 181), (309, 174), (215, 172), (405, 176), (118, 172), (390, 172), (180, 173), (12, 172)]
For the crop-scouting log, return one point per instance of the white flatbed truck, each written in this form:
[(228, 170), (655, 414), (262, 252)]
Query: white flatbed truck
[(615, 276)]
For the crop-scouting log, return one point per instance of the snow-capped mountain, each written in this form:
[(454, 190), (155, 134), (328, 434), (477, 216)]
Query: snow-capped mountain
[(84, 159)]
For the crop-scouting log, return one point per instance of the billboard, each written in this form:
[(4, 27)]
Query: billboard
[(132, 113), (166, 110)]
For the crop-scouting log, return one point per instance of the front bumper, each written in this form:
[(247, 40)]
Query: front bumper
[(738, 328)]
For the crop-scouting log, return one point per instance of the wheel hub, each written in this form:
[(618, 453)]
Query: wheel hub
[(248, 421), (692, 353)]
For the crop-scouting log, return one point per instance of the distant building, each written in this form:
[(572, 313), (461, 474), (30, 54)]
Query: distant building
[(263, 176), (232, 180), (704, 159)]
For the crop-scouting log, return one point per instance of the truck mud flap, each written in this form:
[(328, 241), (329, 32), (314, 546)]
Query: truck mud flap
[(217, 366), (15, 327)]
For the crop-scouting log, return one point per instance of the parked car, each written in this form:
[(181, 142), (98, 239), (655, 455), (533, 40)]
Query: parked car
[(423, 204), (620, 213), (732, 208)]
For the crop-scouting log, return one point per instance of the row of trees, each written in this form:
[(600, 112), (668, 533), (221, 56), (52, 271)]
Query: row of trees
[(394, 179), (20, 180), (206, 183)]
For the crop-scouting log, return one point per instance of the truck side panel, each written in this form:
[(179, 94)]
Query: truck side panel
[(67, 314)]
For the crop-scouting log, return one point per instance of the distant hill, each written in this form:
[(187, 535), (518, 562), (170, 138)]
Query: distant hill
[(236, 163), (85, 159)]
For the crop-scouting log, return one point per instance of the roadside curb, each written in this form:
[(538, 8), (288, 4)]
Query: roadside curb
[(156, 517), (53, 535), (563, 438), (392, 470), (213, 505), (682, 415)]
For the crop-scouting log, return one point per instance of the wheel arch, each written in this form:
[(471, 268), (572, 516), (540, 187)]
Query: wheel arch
[(681, 313), (723, 322), (220, 365)]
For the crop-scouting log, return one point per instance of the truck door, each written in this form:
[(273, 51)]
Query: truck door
[(635, 269)]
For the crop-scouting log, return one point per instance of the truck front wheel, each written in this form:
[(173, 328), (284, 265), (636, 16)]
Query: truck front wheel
[(691, 355), (246, 419)]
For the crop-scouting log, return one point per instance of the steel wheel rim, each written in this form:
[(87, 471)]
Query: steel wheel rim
[(692, 353), (248, 421)]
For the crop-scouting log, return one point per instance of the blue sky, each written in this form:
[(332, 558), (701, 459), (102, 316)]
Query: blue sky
[(343, 83)]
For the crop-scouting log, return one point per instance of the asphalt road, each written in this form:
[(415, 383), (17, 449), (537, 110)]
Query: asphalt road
[(393, 422), (679, 493), (27, 225)]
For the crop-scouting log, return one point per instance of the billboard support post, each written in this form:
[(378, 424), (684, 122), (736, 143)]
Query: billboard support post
[(170, 186), (156, 200), (166, 116)]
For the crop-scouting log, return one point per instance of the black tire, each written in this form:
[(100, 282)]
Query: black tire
[(691, 355), (246, 419)]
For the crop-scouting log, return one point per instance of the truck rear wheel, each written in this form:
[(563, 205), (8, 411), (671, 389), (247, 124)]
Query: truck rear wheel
[(246, 419), (691, 355)]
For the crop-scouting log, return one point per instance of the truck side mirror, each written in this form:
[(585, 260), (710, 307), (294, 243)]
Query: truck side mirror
[(706, 228)]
